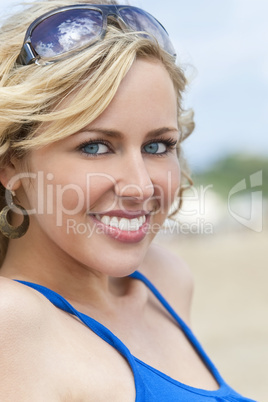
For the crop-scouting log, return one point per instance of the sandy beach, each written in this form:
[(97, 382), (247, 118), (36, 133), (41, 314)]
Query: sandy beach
[(230, 306)]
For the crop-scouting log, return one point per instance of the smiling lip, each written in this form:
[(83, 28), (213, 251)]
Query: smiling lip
[(124, 226)]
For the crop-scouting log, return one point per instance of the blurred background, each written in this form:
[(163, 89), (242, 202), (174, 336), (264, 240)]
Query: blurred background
[(223, 225)]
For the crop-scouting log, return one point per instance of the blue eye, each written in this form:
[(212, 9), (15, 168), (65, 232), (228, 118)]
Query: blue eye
[(95, 148), (155, 148)]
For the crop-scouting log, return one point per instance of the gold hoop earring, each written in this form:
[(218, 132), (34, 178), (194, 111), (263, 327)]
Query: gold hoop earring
[(9, 231)]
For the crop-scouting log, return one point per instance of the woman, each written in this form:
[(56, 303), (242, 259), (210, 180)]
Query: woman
[(91, 125)]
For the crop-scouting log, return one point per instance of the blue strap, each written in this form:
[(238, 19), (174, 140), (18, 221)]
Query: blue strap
[(95, 326), (143, 392), (184, 327), (112, 340)]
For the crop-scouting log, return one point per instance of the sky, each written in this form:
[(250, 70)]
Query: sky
[(223, 47)]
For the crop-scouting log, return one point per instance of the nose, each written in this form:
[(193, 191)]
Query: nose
[(134, 180)]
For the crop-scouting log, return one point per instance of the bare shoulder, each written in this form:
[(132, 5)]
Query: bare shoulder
[(171, 276), (22, 316), (19, 305), (21, 333)]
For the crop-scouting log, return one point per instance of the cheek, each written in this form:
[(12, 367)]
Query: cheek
[(77, 194), (167, 184), (175, 174), (51, 195)]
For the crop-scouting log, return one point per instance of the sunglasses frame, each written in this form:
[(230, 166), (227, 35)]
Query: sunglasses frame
[(28, 54)]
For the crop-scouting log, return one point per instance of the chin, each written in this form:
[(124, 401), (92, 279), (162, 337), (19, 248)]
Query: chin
[(123, 264)]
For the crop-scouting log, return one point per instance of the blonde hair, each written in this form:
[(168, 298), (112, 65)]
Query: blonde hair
[(34, 95)]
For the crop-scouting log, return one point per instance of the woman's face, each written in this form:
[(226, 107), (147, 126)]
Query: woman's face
[(100, 196)]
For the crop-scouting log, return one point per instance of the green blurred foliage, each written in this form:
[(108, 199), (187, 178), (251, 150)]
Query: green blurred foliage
[(225, 173)]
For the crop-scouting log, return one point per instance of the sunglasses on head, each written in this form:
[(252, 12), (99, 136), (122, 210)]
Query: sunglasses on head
[(62, 32)]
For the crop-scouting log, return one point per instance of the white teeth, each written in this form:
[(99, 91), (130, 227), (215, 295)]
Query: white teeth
[(133, 225), (105, 219), (114, 222), (124, 224), (142, 220)]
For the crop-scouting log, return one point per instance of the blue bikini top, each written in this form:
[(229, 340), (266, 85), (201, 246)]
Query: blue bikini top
[(151, 384)]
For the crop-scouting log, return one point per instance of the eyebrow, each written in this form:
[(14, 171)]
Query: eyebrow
[(119, 134)]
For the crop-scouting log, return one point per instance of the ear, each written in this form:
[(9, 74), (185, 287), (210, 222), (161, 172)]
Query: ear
[(9, 177)]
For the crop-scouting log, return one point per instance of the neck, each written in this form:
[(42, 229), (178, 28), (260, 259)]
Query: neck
[(76, 282)]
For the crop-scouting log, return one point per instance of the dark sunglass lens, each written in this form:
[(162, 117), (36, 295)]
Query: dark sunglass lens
[(66, 31), (140, 20)]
